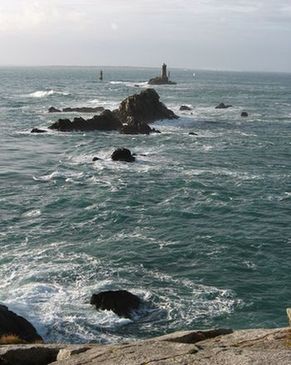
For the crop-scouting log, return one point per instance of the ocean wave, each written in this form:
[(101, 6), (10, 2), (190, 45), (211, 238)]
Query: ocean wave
[(59, 175), (143, 84), (46, 93)]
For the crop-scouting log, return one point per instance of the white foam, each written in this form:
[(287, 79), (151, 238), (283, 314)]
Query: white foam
[(32, 213), (59, 175), (46, 93), (143, 84)]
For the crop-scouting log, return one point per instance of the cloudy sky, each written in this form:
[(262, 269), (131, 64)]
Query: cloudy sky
[(197, 34)]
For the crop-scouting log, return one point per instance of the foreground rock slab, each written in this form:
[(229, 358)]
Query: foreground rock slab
[(212, 347), (247, 347)]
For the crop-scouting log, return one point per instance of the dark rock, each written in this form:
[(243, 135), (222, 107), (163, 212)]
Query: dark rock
[(222, 106), (145, 107), (244, 114), (106, 121), (12, 324), (96, 159), (160, 81), (185, 107), (193, 134), (63, 125), (154, 130), (122, 154), (84, 109), (52, 109), (120, 302), (36, 130), (134, 127)]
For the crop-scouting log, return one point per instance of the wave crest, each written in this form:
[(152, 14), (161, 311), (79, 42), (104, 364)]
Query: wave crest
[(46, 93)]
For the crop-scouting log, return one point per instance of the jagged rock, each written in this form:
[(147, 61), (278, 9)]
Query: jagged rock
[(12, 324), (222, 106), (145, 107), (185, 107), (244, 114), (36, 130), (106, 121), (84, 109), (52, 109), (135, 127), (120, 302), (122, 154)]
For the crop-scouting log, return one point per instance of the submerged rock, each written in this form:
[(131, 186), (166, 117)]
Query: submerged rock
[(121, 302), (193, 134), (145, 107), (244, 114), (223, 106), (185, 107), (122, 154), (16, 326), (52, 109), (36, 130)]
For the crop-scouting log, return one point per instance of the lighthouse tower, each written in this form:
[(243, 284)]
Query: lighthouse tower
[(164, 76)]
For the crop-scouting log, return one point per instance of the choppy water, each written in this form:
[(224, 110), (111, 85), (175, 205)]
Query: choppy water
[(199, 226)]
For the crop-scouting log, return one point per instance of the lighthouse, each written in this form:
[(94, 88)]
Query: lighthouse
[(164, 72)]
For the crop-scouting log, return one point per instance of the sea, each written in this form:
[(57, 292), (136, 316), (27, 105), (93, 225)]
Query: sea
[(199, 227)]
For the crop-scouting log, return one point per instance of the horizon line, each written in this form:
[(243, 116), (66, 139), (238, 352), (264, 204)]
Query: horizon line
[(142, 67)]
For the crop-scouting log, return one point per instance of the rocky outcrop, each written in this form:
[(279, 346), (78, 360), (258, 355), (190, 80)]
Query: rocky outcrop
[(131, 117), (223, 106), (84, 109), (219, 347), (161, 81), (106, 121), (135, 127), (145, 107), (164, 79), (120, 302), (16, 326)]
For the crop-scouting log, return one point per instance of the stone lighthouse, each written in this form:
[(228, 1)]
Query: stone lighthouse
[(163, 79), (164, 75)]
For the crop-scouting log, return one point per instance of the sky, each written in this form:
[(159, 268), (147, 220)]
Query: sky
[(241, 35)]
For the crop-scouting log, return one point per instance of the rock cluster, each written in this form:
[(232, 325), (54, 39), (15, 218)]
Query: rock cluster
[(106, 121), (131, 117)]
